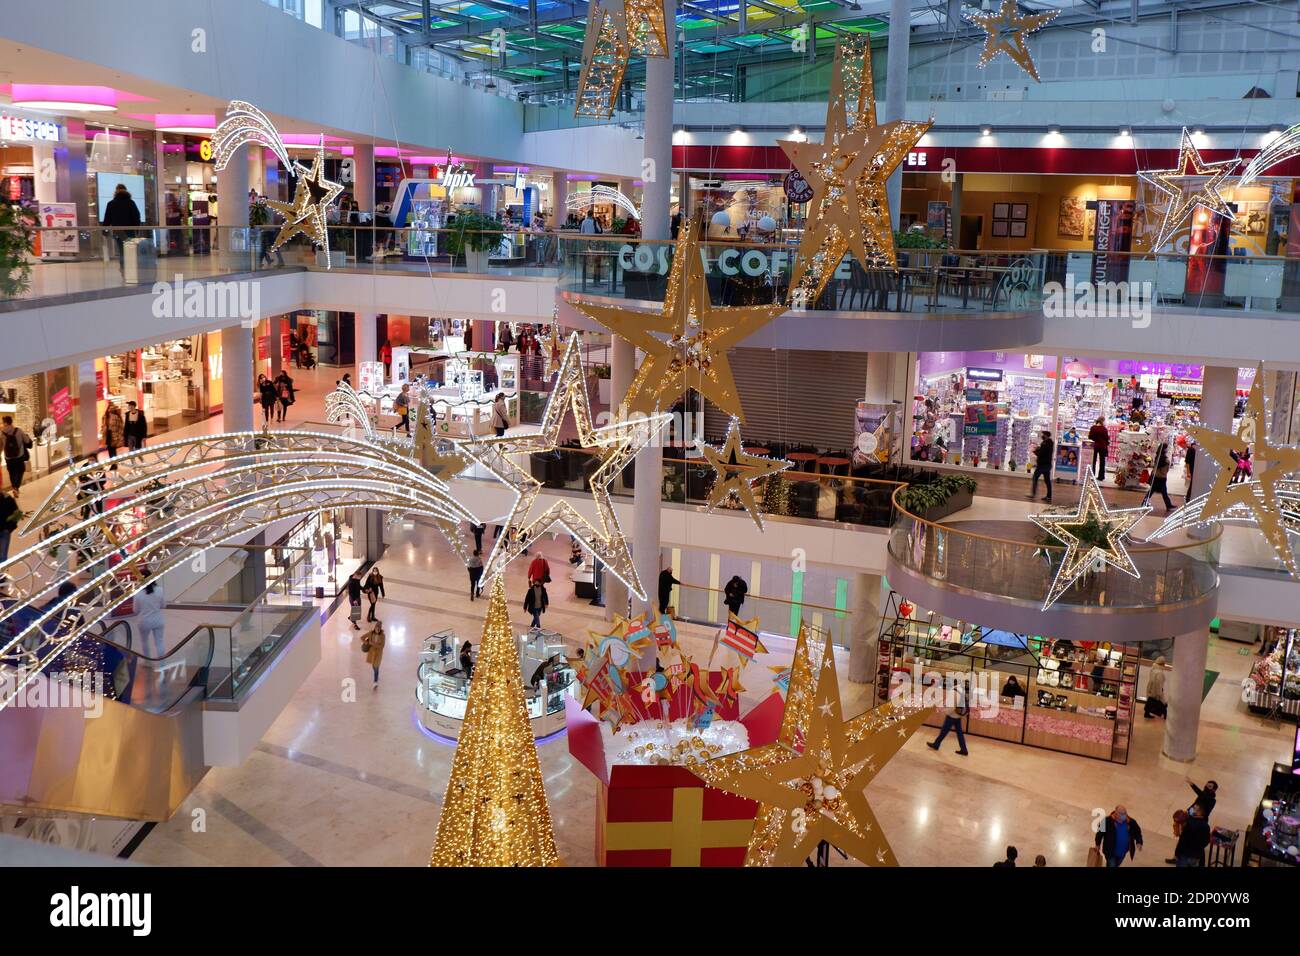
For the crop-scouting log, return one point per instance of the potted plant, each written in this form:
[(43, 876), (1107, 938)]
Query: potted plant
[(602, 373), (937, 499), (474, 235), (17, 236)]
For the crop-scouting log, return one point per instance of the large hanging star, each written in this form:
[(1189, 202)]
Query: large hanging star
[(1183, 195), (695, 355), (848, 172), (615, 30), (306, 214), (735, 472), (1082, 550), (1007, 30), (816, 792), (613, 446), (1270, 463)]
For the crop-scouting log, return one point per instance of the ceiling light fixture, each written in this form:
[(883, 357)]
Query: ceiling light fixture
[(986, 130), (1125, 132), (63, 98)]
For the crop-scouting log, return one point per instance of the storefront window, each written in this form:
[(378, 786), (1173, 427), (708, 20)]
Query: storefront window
[(42, 406), (169, 381)]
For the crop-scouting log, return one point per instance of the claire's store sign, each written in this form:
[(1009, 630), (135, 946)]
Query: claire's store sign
[(1160, 369), (27, 130)]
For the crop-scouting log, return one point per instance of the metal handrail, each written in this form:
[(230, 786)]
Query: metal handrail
[(753, 596)]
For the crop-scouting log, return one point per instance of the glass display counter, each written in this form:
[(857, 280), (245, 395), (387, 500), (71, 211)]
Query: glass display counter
[(442, 687)]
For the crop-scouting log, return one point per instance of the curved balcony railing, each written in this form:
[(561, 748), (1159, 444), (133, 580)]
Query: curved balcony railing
[(1012, 565)]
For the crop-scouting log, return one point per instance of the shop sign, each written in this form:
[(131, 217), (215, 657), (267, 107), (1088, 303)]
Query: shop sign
[(1178, 388), (101, 384), (459, 176), (796, 187), (916, 158), (205, 150), (1113, 233), (60, 406), (1162, 369), (983, 374), (730, 262), (28, 130)]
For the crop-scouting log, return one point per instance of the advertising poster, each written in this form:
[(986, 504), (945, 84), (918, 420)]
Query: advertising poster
[(1067, 461), (876, 433), (936, 215), (61, 406), (1209, 240), (1114, 233), (981, 419), (59, 216)]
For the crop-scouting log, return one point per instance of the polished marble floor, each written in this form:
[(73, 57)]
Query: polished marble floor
[(340, 782)]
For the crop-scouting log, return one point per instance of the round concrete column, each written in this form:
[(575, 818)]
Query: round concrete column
[(1185, 687)]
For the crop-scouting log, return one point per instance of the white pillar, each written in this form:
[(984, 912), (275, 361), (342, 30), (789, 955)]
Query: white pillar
[(364, 326), (1218, 398), (864, 624), (560, 197), (900, 28), (88, 407), (232, 211), (237, 378), (622, 366), (1185, 687), (657, 192), (363, 165)]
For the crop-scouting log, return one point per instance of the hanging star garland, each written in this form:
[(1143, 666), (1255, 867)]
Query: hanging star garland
[(849, 173), (306, 214), (1268, 499), (695, 354), (735, 472), (613, 446), (1081, 552), (1007, 30), (615, 30), (817, 792), (1182, 194)]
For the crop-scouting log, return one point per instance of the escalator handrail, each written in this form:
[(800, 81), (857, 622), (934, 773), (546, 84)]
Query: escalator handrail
[(126, 648)]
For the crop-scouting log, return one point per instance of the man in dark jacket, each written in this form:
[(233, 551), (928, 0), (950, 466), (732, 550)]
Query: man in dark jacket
[(1043, 456), (1100, 439), (1118, 837), (354, 598), (1193, 839), (1206, 797), (666, 582), (121, 210), (535, 602), (734, 593)]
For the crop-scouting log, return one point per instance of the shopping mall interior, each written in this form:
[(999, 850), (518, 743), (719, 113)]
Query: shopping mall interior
[(412, 454)]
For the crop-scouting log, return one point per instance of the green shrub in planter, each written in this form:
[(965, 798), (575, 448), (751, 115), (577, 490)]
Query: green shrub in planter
[(919, 499), (16, 248), (475, 232)]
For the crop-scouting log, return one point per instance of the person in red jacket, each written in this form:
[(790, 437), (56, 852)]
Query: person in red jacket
[(540, 570), (1100, 439)]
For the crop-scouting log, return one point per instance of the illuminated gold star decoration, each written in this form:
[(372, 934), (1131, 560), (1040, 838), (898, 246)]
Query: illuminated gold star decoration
[(1186, 190), (613, 446), (306, 214), (735, 472), (615, 30), (695, 354), (848, 173), (1007, 29), (817, 792), (1266, 498), (1079, 557), (446, 463)]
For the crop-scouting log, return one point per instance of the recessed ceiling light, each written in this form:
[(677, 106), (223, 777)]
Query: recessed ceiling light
[(986, 130), (1125, 131), (1054, 130)]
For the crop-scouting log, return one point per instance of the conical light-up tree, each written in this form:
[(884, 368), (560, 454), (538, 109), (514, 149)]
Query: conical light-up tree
[(494, 812)]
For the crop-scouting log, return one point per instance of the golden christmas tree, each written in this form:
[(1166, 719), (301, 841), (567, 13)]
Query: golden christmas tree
[(494, 812)]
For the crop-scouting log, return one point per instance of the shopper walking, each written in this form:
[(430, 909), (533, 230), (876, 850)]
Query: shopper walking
[(1012, 855), (1160, 477), (666, 582), (467, 659), (477, 530), (1156, 704), (1192, 839), (135, 428), (121, 212), (475, 568), (536, 601), (540, 569), (953, 715), (402, 405), (372, 645), (266, 396), (113, 428), (9, 517), (733, 595), (1189, 463), (149, 605), (285, 394), (1118, 837), (1100, 439), (373, 590), (1043, 456), (354, 598), (17, 445), (386, 356), (500, 415)]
